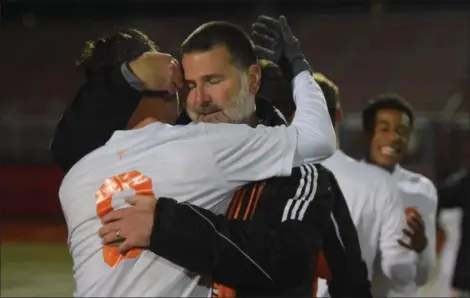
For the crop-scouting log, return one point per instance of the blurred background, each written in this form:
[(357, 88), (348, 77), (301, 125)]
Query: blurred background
[(419, 49)]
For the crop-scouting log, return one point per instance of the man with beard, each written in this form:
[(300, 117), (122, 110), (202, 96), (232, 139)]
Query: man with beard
[(235, 164), (388, 122)]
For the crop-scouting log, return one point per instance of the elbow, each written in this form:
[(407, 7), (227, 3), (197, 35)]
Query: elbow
[(402, 274), (325, 146), (422, 275)]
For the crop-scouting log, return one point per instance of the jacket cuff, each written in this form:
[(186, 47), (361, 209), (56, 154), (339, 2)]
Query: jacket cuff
[(164, 206)]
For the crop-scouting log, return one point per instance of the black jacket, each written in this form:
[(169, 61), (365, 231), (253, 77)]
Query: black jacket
[(284, 250), (456, 194)]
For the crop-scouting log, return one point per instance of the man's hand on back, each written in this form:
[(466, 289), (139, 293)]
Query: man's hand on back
[(158, 72), (131, 226)]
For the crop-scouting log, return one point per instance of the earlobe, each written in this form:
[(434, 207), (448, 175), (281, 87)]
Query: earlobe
[(254, 78)]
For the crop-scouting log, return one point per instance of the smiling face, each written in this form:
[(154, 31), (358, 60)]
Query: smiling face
[(218, 90), (390, 137)]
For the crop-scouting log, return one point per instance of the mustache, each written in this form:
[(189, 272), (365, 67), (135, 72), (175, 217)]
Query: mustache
[(209, 109)]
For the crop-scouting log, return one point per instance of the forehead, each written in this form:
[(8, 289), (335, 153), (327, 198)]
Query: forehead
[(215, 61), (393, 117)]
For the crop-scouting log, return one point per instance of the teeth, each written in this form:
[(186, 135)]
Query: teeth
[(387, 150)]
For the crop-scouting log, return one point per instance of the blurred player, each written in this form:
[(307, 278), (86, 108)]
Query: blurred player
[(388, 122), (374, 203), (201, 164)]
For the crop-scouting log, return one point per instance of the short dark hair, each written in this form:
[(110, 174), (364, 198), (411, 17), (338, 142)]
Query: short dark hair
[(331, 93), (219, 33), (107, 52), (384, 102)]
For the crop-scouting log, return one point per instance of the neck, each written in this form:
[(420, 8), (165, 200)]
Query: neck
[(146, 122), (389, 169)]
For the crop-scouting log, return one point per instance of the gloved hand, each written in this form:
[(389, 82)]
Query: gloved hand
[(275, 41)]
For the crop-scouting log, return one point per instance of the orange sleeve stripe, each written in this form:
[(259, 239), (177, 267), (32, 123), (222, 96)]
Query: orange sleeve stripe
[(223, 291), (323, 271)]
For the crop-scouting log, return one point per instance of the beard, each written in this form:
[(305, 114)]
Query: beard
[(239, 110)]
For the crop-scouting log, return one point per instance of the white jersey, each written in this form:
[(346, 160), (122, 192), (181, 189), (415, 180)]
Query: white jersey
[(419, 192), (202, 164), (377, 212)]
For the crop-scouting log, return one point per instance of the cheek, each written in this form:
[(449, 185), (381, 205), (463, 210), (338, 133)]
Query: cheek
[(191, 101), (220, 94)]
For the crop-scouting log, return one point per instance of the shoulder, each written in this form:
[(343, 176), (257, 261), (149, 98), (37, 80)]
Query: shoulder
[(418, 181), (360, 173)]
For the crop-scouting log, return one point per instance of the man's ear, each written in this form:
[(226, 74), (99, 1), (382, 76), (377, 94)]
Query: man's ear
[(254, 78)]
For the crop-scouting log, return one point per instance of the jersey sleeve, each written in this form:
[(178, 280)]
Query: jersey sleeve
[(427, 258), (398, 263), (250, 154)]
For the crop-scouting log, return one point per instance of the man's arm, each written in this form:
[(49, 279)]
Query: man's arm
[(398, 263), (247, 154), (258, 250), (105, 102), (342, 251)]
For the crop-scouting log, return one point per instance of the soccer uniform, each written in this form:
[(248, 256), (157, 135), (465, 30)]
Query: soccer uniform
[(377, 212), (201, 164), (416, 191)]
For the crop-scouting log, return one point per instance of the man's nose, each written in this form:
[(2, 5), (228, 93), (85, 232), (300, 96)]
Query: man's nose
[(201, 96)]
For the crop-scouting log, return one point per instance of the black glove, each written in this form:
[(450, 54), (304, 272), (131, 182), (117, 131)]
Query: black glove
[(275, 41)]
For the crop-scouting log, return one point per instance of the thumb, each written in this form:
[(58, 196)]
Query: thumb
[(285, 30), (132, 200), (125, 247)]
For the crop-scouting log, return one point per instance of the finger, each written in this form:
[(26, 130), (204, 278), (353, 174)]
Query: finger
[(132, 200), (115, 215), (109, 228), (263, 40), (408, 233), (177, 75), (404, 244), (416, 225), (263, 52), (111, 239), (285, 30), (125, 247), (264, 29), (271, 22)]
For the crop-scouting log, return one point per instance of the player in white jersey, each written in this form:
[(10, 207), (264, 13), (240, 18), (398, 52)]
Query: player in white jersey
[(388, 121), (200, 163), (374, 204)]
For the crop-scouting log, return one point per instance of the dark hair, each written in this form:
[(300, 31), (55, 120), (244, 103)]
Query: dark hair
[(110, 51), (275, 88), (219, 33), (331, 93), (382, 102)]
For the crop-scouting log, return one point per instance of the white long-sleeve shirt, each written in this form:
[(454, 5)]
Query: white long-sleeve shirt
[(416, 191), (377, 212), (202, 164)]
